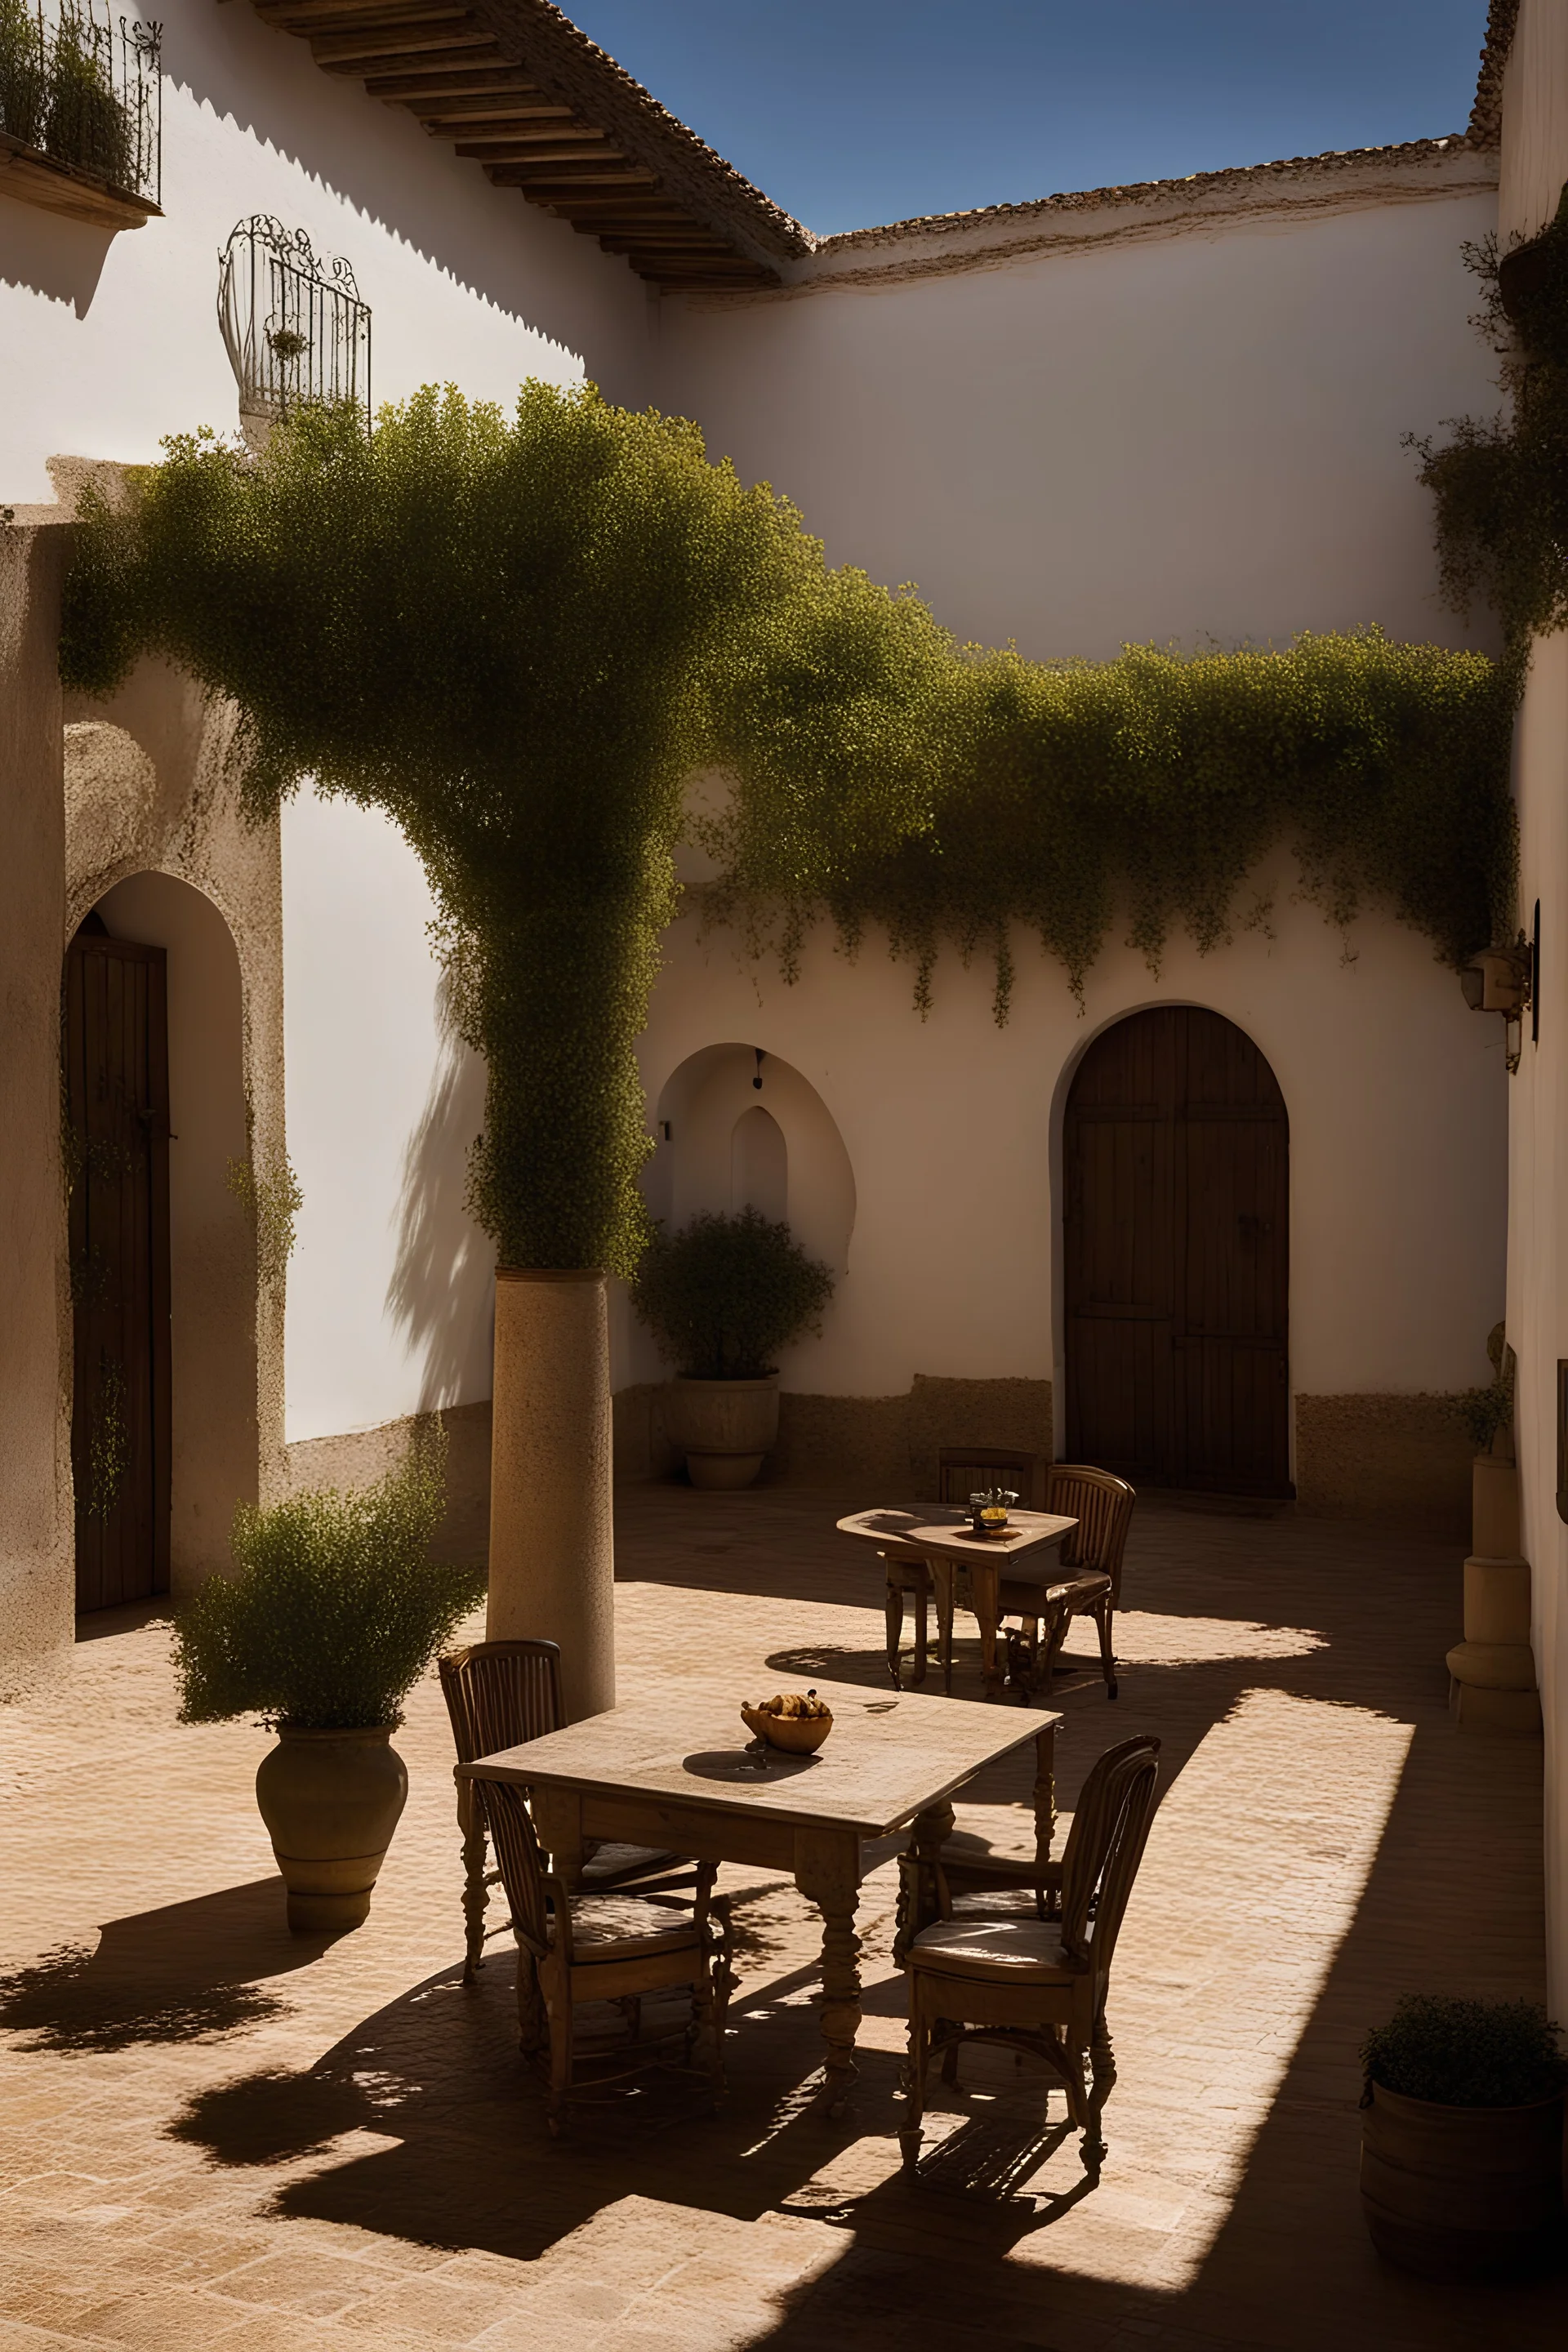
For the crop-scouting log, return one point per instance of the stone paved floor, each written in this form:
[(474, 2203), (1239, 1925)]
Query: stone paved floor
[(211, 2132)]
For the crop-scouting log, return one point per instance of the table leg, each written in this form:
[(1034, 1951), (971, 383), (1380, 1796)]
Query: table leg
[(985, 1578), (941, 1584), (827, 1872)]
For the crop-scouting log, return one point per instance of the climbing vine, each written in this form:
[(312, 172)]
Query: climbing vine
[(522, 637), (1501, 483)]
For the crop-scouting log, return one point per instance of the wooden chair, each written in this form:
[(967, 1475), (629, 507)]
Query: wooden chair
[(614, 1948), (960, 1470), (499, 1695), (1102, 1506), (1033, 1985)]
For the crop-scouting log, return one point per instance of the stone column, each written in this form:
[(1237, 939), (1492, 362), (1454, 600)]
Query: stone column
[(552, 1540)]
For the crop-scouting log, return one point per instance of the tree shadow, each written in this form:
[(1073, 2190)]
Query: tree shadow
[(442, 1290), (185, 1973)]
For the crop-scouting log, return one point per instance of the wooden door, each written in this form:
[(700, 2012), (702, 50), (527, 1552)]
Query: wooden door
[(117, 1150), (1177, 1227)]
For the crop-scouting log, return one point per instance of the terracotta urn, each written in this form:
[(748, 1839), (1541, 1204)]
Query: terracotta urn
[(724, 1428), (330, 1801), (1462, 2192)]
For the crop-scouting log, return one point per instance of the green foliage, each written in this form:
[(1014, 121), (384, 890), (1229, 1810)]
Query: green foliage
[(1484, 1412), (522, 637), (1501, 483), (85, 124), (1466, 2053), (24, 83), (950, 794), (723, 1295), (272, 1201), (498, 632), (337, 1608)]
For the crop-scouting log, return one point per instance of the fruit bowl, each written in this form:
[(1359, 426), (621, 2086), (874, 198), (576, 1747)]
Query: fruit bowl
[(796, 1734)]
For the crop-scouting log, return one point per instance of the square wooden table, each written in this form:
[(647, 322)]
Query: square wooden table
[(943, 1541), (675, 1770)]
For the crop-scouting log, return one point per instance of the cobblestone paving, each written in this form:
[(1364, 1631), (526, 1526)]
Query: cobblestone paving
[(212, 2132)]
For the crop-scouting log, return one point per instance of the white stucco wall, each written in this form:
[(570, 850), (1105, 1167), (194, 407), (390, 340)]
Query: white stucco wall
[(953, 1129), (1149, 436), (391, 1288), (466, 282), (1535, 165)]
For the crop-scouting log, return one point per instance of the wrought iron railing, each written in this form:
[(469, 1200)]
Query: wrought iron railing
[(82, 87), (294, 327)]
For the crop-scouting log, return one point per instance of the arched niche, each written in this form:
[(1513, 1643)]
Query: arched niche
[(716, 1153), (214, 1441)]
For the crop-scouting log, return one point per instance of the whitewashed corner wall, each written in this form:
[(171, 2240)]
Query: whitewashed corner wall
[(466, 282), (1534, 169)]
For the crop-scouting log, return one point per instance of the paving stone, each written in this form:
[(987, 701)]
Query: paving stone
[(214, 2132)]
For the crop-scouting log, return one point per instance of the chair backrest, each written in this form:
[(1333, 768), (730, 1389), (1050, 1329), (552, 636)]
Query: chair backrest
[(963, 1470), (518, 1857), (1102, 1504), (1105, 1846), (499, 1693)]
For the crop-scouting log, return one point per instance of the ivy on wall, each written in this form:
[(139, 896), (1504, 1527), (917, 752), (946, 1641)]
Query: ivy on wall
[(1501, 483), (521, 637)]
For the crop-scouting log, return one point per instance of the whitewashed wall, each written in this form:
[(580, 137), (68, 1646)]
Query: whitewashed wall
[(1142, 435), (953, 1129), (467, 283), (1535, 165)]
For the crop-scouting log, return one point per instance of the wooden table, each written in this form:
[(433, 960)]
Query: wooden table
[(943, 1541), (674, 1769)]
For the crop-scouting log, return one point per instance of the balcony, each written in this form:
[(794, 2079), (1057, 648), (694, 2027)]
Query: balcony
[(80, 114)]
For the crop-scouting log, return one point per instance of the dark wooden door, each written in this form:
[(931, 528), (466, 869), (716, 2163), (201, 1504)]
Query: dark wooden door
[(116, 1150), (1176, 1216)]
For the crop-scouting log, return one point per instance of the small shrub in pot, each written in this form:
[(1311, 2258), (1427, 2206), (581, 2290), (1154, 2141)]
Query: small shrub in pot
[(335, 1614), (1461, 2168), (722, 1298)]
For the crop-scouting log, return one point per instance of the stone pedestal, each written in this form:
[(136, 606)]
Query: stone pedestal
[(1491, 1671), (552, 1540)]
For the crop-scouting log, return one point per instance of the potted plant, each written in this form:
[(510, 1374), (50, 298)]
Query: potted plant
[(335, 1614), (722, 1298), (1461, 2157), (1486, 1416)]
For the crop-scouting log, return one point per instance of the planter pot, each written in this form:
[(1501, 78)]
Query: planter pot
[(724, 1428), (1494, 1507), (1462, 2192), (330, 1801)]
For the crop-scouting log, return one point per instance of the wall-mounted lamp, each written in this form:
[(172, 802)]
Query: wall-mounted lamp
[(1502, 980), (757, 1081)]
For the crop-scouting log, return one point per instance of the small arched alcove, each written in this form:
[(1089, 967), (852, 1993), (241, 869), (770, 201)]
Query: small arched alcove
[(725, 1143), (759, 1165), (1176, 1216), (164, 1404)]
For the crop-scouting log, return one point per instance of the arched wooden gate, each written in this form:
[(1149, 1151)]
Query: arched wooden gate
[(1176, 1215)]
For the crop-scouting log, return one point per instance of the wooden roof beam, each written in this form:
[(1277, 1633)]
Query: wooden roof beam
[(508, 150), (564, 179), (487, 106), (343, 52), (439, 82)]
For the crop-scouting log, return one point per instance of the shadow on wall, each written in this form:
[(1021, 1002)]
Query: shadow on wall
[(61, 259), (442, 1292), (488, 241)]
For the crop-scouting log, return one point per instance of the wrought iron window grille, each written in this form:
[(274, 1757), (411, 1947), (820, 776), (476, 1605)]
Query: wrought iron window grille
[(83, 88), (295, 328)]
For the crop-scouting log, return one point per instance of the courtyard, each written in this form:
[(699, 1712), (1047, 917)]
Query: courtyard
[(212, 2132)]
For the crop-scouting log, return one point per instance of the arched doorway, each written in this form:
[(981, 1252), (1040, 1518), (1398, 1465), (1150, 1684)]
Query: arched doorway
[(165, 1421), (1176, 1231)]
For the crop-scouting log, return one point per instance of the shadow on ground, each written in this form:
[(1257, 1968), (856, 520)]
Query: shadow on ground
[(185, 1973)]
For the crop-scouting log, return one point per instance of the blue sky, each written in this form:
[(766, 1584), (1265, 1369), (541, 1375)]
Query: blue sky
[(848, 112)]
